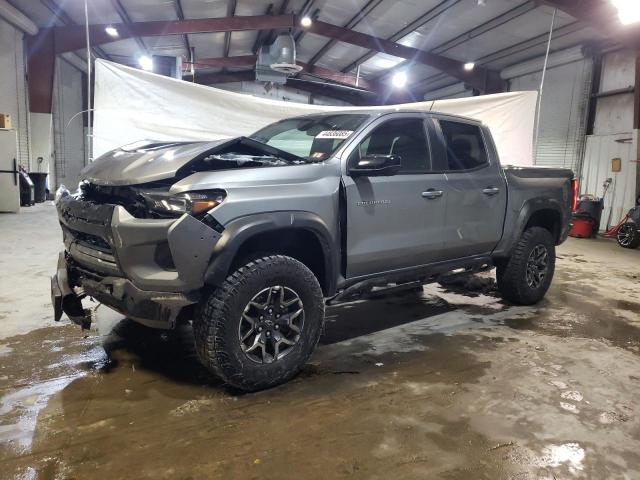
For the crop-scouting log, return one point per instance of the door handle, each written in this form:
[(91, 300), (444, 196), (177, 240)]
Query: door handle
[(491, 191), (431, 194)]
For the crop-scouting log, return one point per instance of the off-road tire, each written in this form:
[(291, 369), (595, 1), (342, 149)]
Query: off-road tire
[(633, 231), (218, 317), (511, 273)]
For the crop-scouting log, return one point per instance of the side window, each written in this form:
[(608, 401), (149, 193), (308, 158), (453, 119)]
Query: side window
[(465, 145), (403, 137)]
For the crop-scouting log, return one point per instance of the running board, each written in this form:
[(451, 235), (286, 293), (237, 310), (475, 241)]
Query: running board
[(409, 278)]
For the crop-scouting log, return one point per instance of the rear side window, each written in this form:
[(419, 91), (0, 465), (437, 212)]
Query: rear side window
[(403, 137), (465, 145)]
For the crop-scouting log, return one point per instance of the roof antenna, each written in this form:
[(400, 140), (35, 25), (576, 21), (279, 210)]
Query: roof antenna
[(89, 128), (544, 72)]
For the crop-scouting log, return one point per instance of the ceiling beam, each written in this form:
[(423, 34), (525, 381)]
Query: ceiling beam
[(180, 15), (311, 87), (261, 35), (225, 77), (353, 22), (231, 12), (480, 78), (314, 70), (340, 77), (73, 37), (127, 20), (271, 34), (495, 22), (224, 62), (306, 11), (600, 15), (500, 55), (58, 12), (411, 27)]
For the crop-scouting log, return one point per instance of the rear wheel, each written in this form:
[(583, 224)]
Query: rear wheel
[(525, 277), (260, 326), (628, 235)]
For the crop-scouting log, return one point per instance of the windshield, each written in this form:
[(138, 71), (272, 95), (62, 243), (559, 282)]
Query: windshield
[(313, 138)]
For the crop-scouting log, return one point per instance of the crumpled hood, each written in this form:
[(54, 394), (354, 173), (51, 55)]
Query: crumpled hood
[(148, 163)]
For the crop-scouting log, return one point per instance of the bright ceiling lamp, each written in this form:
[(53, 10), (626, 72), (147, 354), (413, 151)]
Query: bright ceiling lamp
[(469, 66), (399, 80), (111, 31), (306, 21), (628, 11), (145, 62)]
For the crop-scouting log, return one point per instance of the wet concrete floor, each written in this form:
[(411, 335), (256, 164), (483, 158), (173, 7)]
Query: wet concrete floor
[(447, 384)]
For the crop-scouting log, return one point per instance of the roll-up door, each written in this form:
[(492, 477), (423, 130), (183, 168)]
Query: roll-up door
[(565, 101)]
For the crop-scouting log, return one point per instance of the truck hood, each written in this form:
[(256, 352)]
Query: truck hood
[(147, 161)]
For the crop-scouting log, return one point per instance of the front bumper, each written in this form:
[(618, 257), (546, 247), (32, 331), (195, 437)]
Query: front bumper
[(147, 269)]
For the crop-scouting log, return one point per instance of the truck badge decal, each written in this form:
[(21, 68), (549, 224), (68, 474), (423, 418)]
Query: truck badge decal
[(373, 202)]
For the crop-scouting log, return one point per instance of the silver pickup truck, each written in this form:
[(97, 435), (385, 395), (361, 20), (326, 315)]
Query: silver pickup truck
[(250, 237)]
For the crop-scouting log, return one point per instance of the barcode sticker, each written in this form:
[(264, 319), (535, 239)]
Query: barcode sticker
[(335, 134)]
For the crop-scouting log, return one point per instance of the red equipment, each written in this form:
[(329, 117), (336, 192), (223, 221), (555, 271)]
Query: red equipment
[(582, 227)]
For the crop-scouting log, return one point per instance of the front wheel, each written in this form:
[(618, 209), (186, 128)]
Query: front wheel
[(525, 277), (628, 235), (260, 326)]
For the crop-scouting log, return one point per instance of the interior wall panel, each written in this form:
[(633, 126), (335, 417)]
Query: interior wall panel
[(620, 196), (13, 99)]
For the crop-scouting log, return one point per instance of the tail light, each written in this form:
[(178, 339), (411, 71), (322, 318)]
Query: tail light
[(574, 194)]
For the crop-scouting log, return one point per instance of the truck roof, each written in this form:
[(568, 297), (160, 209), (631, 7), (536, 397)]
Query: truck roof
[(386, 111)]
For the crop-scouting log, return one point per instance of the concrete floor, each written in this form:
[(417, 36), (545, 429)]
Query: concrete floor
[(444, 384)]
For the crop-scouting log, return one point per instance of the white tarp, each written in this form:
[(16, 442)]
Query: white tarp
[(132, 105)]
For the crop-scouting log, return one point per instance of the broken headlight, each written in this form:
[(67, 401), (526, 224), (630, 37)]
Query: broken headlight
[(194, 203)]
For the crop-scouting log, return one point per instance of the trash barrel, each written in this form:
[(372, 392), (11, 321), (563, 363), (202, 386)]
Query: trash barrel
[(27, 197), (40, 186)]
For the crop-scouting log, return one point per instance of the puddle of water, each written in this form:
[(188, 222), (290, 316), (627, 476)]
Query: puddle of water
[(406, 386)]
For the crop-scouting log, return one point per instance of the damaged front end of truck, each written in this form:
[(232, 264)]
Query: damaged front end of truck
[(133, 244)]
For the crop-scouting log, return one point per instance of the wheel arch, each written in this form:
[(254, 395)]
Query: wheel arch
[(300, 235), (540, 212)]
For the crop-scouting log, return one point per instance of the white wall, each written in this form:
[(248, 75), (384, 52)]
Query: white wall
[(278, 92), (615, 114), (13, 98), (613, 137), (68, 129)]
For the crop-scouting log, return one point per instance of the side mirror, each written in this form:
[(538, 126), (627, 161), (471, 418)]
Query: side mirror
[(376, 166)]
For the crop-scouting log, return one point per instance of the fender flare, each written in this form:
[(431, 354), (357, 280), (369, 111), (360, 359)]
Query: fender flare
[(529, 208), (242, 229)]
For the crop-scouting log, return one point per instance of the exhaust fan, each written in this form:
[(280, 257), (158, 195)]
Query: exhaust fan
[(278, 60)]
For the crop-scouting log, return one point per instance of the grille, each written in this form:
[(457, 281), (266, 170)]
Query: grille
[(92, 241)]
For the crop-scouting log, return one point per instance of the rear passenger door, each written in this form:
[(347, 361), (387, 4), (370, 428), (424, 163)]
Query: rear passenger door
[(476, 190), (394, 222)]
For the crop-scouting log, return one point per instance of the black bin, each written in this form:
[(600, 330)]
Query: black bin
[(40, 186), (27, 197)]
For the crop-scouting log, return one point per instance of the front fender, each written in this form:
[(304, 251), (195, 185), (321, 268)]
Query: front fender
[(237, 232)]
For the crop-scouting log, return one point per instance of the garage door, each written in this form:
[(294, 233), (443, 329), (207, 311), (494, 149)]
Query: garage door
[(564, 107)]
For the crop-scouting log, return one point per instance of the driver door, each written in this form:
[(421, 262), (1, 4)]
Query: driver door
[(394, 222)]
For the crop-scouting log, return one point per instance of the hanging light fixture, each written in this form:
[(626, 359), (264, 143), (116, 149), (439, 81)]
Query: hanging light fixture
[(399, 80), (628, 11)]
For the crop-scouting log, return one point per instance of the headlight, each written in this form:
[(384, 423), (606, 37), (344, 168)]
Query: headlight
[(193, 203)]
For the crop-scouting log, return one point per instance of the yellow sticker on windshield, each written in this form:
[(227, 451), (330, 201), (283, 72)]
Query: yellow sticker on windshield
[(342, 134)]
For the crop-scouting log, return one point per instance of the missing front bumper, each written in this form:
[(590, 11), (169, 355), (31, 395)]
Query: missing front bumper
[(150, 308)]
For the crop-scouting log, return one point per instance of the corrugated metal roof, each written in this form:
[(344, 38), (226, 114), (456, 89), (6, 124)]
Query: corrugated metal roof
[(493, 33)]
